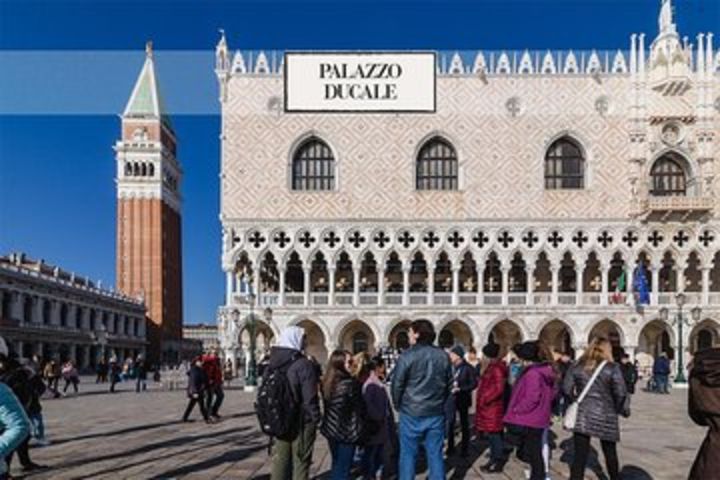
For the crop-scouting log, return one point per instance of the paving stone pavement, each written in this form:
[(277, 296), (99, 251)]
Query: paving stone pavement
[(97, 435)]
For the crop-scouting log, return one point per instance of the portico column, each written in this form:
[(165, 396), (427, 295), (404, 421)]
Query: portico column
[(456, 285), (228, 287), (281, 297), (16, 306), (628, 280), (356, 286), (85, 356), (406, 285), (256, 285), (480, 285), (431, 285), (306, 286), (705, 285), (331, 285), (381, 286), (55, 312), (505, 275), (604, 280), (530, 272), (681, 274), (555, 271), (655, 273), (71, 316), (37, 310), (579, 284)]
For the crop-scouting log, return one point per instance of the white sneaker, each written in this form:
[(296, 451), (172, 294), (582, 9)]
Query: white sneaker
[(527, 474)]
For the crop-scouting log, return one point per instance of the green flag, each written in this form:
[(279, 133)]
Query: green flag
[(620, 287)]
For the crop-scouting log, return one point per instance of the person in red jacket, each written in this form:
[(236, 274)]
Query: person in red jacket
[(214, 395), (490, 408)]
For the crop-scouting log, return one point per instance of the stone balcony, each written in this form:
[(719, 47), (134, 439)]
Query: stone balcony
[(677, 208)]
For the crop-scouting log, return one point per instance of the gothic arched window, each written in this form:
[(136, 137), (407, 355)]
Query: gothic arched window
[(667, 177), (437, 166), (313, 166), (564, 165)]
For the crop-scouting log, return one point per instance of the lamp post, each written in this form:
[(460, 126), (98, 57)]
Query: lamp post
[(251, 374), (101, 338), (681, 321)]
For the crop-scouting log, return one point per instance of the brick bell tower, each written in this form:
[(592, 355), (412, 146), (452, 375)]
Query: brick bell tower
[(149, 261)]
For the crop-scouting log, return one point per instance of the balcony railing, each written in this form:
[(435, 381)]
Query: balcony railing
[(418, 298), (515, 298), (567, 298), (393, 298), (679, 204), (343, 298), (443, 298), (467, 298)]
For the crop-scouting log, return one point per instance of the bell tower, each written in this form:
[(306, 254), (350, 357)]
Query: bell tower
[(149, 260)]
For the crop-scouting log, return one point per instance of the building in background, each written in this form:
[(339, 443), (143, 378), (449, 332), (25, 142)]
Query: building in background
[(53, 313), (542, 189), (203, 338), (149, 261)]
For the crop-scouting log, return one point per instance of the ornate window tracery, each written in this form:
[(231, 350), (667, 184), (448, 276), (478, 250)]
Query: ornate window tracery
[(667, 177)]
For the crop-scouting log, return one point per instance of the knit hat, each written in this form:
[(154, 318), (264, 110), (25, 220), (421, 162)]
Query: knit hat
[(491, 350), (527, 351), (458, 350), (4, 348)]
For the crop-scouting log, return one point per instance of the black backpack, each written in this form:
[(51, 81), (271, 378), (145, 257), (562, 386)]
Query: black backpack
[(276, 407)]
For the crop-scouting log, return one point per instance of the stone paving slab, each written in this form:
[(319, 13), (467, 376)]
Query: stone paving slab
[(98, 435)]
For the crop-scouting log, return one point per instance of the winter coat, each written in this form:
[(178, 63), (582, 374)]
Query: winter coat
[(630, 374), (704, 409), (379, 412), (661, 366), (303, 379), (344, 412), (211, 365), (465, 380), (197, 381), (532, 397), (598, 413), (489, 398), (14, 424), (141, 369), (421, 381)]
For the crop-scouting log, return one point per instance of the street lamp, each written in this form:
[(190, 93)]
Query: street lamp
[(251, 374), (680, 321), (101, 338)]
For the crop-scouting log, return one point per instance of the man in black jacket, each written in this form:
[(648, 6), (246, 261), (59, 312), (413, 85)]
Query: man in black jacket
[(196, 390), (292, 458), (421, 383), (464, 383)]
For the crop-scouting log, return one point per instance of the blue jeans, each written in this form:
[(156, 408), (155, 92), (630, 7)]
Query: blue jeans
[(661, 382), (430, 431), (497, 448), (372, 460), (36, 419), (342, 459)]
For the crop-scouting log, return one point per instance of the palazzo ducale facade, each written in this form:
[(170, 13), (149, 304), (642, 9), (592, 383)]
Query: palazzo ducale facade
[(524, 206)]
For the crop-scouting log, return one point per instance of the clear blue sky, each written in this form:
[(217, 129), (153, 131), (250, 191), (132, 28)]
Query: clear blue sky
[(57, 194)]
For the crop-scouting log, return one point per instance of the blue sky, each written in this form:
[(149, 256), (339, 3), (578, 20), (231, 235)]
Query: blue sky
[(57, 194)]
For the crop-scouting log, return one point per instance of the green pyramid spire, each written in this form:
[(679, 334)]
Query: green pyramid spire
[(145, 100)]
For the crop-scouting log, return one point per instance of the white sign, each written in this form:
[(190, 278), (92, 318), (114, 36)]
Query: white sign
[(360, 82)]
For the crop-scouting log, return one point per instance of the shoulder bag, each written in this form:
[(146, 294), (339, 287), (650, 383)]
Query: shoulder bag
[(571, 414)]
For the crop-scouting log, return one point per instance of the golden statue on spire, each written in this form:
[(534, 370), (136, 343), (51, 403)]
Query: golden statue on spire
[(149, 49)]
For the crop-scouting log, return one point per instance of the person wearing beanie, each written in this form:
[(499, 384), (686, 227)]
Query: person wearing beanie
[(489, 407), (464, 382)]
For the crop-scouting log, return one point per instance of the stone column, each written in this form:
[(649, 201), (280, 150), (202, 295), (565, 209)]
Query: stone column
[(579, 270), (55, 312), (228, 287), (356, 285), (682, 261), (17, 301), (71, 315), (306, 286), (655, 284), (456, 285), (85, 356), (37, 310), (381, 286), (406, 285), (530, 271), (555, 271), (705, 284), (431, 285), (281, 297), (631, 350), (505, 276), (331, 286), (605, 280), (628, 279), (480, 284)]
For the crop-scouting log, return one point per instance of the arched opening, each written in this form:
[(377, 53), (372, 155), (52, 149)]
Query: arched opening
[(315, 341), (567, 276), (607, 329), (668, 275), (543, 277), (368, 273), (6, 300), (468, 274), (715, 274), (294, 276), (706, 334), (264, 337), (319, 274), (244, 273), (564, 165), (592, 276), (143, 169), (455, 332), (128, 169), (398, 337), (418, 273), (343, 273), (393, 273), (518, 274), (505, 334), (556, 335), (493, 274), (151, 170), (269, 275), (443, 273), (436, 166), (93, 319), (46, 312), (617, 283), (357, 337), (668, 177), (28, 309), (693, 275), (313, 166), (79, 316), (655, 339)]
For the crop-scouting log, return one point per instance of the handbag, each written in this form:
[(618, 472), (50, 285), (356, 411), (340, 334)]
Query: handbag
[(570, 418)]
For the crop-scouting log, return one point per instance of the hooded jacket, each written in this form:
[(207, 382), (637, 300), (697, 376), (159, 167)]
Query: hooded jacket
[(490, 393), (704, 409), (532, 397), (14, 424)]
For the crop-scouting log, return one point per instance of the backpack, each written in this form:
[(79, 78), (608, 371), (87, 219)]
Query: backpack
[(276, 408)]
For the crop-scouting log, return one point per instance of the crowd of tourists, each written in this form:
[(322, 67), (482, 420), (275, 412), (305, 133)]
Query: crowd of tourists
[(518, 396)]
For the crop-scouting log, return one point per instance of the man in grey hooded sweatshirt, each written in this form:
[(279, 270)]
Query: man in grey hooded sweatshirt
[(292, 459)]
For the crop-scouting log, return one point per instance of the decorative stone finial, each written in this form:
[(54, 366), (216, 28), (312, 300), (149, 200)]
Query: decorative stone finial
[(149, 48)]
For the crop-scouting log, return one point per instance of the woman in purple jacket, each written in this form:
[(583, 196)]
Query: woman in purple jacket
[(531, 402)]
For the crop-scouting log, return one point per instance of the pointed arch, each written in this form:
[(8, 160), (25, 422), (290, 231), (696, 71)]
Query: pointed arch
[(312, 165), (565, 162), (436, 165)]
